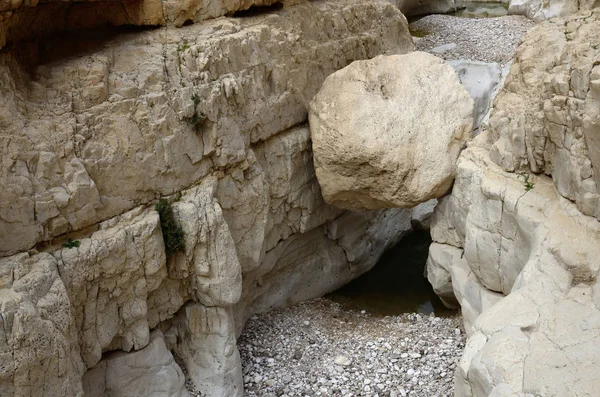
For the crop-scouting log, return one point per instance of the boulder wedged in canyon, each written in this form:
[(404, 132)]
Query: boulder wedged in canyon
[(522, 249), (210, 116), (387, 132)]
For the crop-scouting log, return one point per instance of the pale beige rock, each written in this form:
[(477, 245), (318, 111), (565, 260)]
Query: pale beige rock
[(121, 124), (109, 278), (210, 260), (311, 264), (149, 372), (547, 116), (94, 137), (207, 346), (38, 334), (440, 258), (539, 10), (537, 249), (23, 20), (386, 132)]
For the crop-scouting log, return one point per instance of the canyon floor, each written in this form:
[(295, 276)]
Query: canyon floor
[(320, 348), (488, 39)]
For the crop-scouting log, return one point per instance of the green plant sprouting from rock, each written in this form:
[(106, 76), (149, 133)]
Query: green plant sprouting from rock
[(72, 243), (198, 117), (526, 182), (172, 233), (183, 46)]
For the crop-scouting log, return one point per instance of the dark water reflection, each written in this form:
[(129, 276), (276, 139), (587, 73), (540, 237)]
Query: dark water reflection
[(396, 284)]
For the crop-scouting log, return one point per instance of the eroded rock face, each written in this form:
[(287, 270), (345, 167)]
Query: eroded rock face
[(37, 329), (127, 128), (151, 372), (21, 20), (538, 250), (386, 132), (520, 251), (210, 115), (548, 119)]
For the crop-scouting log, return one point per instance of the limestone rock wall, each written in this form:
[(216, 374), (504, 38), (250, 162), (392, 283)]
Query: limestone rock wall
[(94, 129), (22, 20), (92, 135), (519, 249), (548, 116)]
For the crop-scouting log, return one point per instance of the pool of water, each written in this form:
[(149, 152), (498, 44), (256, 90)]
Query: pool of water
[(396, 284), (482, 10)]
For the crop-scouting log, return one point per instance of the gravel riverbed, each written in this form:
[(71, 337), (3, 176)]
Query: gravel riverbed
[(318, 348), (478, 39)]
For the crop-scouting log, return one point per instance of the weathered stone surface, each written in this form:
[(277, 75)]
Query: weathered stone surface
[(386, 132), (22, 20), (422, 214), (149, 372), (311, 264), (480, 79), (547, 116), (527, 278), (538, 250), (210, 260), (38, 334), (92, 137), (539, 10), (206, 343), (109, 278), (440, 258), (122, 125)]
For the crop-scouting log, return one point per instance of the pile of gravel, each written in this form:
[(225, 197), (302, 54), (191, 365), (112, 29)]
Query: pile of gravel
[(318, 348), (477, 39)]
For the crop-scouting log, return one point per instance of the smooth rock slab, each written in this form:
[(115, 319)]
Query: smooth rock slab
[(387, 131), (481, 79), (150, 372)]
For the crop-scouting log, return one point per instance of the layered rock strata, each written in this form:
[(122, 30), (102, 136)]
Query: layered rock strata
[(521, 249), (211, 115), (80, 132)]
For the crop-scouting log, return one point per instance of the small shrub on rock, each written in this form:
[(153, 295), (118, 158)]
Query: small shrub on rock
[(72, 243), (172, 233)]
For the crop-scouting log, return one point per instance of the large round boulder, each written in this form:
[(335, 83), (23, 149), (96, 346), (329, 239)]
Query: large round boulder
[(387, 132)]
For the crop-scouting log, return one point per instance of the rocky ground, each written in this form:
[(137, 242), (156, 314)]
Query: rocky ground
[(479, 39), (318, 348)]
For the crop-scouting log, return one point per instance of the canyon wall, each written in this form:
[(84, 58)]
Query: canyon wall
[(96, 126), (519, 238)]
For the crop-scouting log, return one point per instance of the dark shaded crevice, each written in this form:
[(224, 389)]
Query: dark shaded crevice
[(396, 284), (257, 10), (47, 18), (55, 47)]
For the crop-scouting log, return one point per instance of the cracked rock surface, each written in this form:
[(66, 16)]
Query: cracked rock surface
[(519, 238)]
